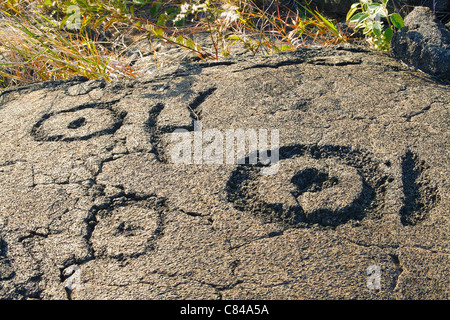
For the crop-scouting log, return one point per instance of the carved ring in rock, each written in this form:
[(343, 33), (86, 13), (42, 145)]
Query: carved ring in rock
[(78, 123), (328, 185)]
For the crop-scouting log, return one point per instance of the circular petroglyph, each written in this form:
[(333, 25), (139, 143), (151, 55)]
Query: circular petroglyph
[(320, 188), (79, 123), (328, 185), (128, 228)]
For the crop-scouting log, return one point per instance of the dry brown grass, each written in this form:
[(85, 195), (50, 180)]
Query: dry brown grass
[(35, 44)]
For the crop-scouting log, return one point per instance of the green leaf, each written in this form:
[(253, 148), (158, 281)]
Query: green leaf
[(374, 6), (159, 32), (162, 19), (388, 34), (190, 43), (155, 8), (359, 17), (352, 10), (377, 29), (285, 47), (234, 37), (328, 23), (180, 40), (376, 9), (397, 20)]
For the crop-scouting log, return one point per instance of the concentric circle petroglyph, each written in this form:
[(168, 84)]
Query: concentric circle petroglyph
[(328, 185), (321, 188), (128, 227), (78, 123)]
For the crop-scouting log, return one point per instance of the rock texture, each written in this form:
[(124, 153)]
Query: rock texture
[(436, 5), (424, 42), (93, 207)]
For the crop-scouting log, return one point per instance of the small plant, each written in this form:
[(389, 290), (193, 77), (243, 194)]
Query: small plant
[(370, 20), (57, 39), (257, 29)]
